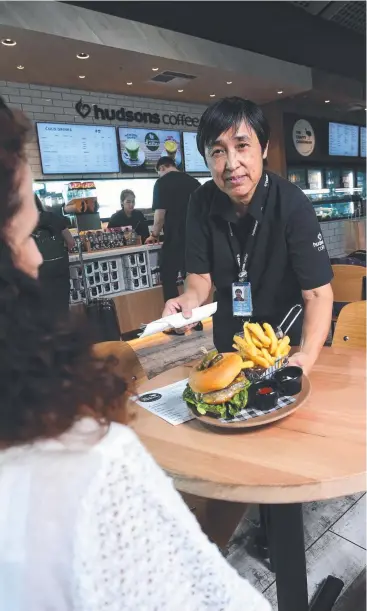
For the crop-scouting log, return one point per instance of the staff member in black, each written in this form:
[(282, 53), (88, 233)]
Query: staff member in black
[(128, 216), (251, 225), (171, 198)]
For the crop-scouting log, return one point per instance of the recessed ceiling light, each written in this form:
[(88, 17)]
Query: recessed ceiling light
[(229, 82), (82, 55), (180, 90), (129, 83), (81, 75), (155, 69), (279, 92), (212, 95), (8, 42), (20, 67), (327, 101)]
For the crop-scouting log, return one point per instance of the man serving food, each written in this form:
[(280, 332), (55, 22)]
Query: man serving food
[(253, 231)]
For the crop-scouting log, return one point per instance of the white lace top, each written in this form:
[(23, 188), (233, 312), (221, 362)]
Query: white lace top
[(89, 522)]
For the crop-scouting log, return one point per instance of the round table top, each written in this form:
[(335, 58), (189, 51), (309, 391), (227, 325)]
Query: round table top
[(318, 452)]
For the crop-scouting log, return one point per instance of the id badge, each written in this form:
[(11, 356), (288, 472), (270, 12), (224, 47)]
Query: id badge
[(241, 299)]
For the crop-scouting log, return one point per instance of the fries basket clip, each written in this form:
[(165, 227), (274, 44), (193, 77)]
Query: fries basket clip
[(297, 309)]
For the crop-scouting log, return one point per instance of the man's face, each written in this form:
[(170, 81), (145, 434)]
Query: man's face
[(235, 162)]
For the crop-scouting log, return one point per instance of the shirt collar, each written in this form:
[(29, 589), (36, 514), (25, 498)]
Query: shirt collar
[(223, 207)]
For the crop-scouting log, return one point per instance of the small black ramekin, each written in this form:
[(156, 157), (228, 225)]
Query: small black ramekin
[(260, 401), (289, 380)]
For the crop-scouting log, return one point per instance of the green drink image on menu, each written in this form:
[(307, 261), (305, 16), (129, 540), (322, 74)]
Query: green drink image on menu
[(132, 148)]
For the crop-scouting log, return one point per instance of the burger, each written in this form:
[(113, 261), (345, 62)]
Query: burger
[(217, 386)]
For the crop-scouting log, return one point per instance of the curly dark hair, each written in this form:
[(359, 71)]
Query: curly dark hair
[(49, 376)]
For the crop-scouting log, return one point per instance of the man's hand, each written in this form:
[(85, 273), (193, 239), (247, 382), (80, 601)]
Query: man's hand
[(300, 359), (318, 309), (184, 303), (151, 240)]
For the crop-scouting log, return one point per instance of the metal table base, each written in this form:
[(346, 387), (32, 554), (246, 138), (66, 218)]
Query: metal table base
[(282, 526)]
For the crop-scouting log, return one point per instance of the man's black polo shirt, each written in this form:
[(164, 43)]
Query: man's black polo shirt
[(289, 253)]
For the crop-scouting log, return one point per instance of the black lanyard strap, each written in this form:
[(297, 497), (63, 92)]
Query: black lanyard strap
[(243, 265), (250, 244)]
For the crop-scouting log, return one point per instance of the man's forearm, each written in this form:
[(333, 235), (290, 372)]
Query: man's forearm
[(317, 321), (158, 222), (199, 286)]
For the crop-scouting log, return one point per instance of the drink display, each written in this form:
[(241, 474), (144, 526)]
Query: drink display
[(141, 148), (81, 198), (132, 147), (171, 147)]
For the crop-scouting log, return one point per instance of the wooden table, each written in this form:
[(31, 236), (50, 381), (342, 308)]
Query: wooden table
[(317, 453)]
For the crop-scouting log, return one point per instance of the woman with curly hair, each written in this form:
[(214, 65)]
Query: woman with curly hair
[(88, 521)]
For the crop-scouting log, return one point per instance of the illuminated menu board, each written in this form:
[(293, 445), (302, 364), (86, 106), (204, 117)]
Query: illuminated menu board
[(362, 140), (141, 148), (77, 149), (343, 140), (193, 160)]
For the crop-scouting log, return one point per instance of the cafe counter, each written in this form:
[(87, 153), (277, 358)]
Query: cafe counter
[(128, 275)]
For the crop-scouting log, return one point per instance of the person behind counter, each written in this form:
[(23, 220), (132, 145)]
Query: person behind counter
[(128, 216), (83, 505), (54, 239), (251, 229), (171, 197)]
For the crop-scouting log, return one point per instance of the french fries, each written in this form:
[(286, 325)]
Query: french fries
[(260, 345), (273, 338)]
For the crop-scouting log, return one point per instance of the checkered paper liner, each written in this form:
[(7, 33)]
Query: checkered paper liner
[(250, 412)]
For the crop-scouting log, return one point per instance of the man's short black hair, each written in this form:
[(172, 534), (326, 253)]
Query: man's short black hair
[(166, 162), (228, 113)]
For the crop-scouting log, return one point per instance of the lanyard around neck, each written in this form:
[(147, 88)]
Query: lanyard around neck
[(250, 242)]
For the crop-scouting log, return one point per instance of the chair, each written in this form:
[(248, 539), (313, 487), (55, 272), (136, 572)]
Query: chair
[(347, 283), (128, 365), (350, 330)]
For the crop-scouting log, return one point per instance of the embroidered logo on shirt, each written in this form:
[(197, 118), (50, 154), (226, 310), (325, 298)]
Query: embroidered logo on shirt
[(320, 244)]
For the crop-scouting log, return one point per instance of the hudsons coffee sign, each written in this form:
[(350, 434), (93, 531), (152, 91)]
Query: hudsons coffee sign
[(124, 115)]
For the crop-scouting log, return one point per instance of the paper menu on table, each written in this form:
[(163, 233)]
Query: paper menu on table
[(177, 321), (167, 403)]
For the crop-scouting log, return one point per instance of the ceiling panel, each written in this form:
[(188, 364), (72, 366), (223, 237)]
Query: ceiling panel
[(350, 15)]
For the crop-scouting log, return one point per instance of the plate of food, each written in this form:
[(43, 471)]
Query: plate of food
[(250, 387)]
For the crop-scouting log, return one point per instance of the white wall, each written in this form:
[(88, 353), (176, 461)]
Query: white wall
[(334, 236)]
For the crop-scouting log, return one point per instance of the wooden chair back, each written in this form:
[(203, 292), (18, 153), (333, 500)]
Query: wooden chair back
[(128, 365), (347, 283), (350, 330)]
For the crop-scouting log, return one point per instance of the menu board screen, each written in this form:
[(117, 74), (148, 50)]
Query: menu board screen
[(343, 140), (141, 148), (77, 149), (362, 140), (193, 160)]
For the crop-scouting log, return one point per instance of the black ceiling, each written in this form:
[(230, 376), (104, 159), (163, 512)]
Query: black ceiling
[(277, 29)]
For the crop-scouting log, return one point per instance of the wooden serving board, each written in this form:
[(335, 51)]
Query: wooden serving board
[(278, 414)]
